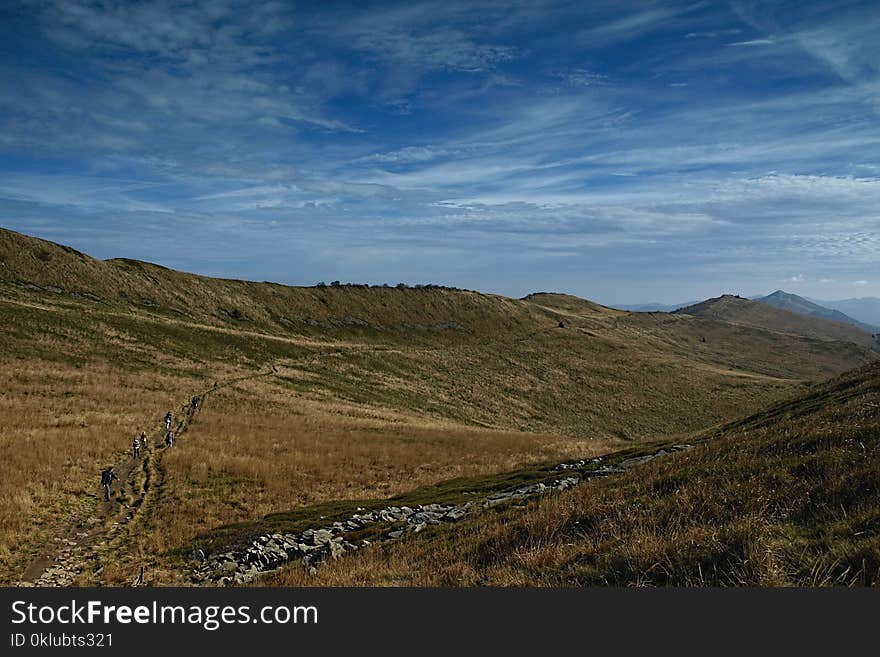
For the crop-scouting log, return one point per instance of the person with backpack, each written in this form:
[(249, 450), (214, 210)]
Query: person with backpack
[(168, 418), (136, 446), (107, 479), (169, 439), (144, 440)]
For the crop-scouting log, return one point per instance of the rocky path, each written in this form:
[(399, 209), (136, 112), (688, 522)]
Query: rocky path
[(72, 552), (311, 547)]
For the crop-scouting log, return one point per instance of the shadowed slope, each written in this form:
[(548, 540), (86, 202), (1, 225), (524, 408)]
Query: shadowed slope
[(789, 496)]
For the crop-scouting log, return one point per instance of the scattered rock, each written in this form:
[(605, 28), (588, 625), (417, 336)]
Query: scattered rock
[(313, 546)]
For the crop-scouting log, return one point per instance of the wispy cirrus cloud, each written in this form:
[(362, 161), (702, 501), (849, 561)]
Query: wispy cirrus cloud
[(752, 42), (617, 153)]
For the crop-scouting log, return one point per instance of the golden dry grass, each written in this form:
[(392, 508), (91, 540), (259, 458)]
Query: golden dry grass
[(756, 314), (345, 417), (353, 411), (788, 497), (61, 426), (256, 449)]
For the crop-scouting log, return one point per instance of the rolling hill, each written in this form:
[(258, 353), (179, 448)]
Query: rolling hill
[(328, 395), (548, 362), (737, 310), (801, 306), (789, 496)]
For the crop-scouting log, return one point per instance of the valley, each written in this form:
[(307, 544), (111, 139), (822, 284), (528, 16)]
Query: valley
[(334, 397)]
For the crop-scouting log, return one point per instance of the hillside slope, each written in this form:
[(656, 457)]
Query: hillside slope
[(393, 388), (279, 309), (742, 311), (864, 309), (789, 496), (801, 306), (549, 362)]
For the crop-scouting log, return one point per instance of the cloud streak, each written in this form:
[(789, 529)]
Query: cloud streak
[(683, 148)]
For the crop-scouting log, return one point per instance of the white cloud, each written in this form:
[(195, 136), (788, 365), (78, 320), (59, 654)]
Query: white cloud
[(752, 42), (630, 27), (581, 77), (407, 155), (423, 38), (474, 144)]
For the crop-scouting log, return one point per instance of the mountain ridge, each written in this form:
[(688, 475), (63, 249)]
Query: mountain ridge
[(797, 304), (30, 263), (863, 309), (739, 310), (339, 393)]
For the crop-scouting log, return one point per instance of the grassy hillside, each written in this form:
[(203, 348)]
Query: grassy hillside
[(789, 496), (38, 265), (756, 314), (374, 391), (546, 363)]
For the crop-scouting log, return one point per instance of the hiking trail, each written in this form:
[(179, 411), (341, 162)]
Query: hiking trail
[(71, 552)]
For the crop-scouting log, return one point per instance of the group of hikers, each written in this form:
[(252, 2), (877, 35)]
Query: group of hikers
[(139, 443)]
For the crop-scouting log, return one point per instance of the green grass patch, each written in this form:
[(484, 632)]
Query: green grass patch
[(458, 490)]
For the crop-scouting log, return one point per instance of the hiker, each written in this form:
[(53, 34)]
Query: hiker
[(169, 439), (136, 446), (168, 418), (107, 478), (195, 402), (215, 385), (143, 440)]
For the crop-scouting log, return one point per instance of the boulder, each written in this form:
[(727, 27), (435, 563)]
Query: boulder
[(456, 513), (321, 536), (424, 517)]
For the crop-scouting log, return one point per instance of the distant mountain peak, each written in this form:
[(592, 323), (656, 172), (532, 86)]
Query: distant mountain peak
[(797, 304), (785, 314)]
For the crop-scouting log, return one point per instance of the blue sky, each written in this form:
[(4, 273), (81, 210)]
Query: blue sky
[(625, 152)]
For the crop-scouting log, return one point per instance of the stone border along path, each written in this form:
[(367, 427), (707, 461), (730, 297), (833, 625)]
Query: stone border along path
[(270, 552), (77, 544)]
